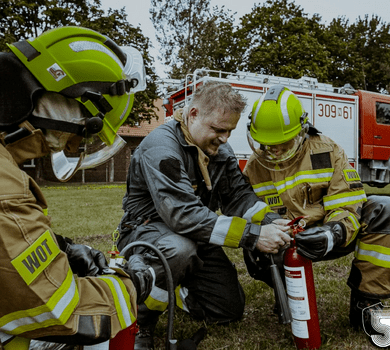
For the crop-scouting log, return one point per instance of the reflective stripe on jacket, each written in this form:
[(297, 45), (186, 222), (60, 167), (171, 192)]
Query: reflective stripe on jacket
[(319, 183)]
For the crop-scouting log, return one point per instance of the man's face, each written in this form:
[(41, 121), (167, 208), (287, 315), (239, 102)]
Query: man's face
[(209, 132), (278, 151)]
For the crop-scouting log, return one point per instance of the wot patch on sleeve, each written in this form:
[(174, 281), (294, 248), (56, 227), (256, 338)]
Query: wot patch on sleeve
[(31, 263), (320, 160), (351, 175), (171, 168)]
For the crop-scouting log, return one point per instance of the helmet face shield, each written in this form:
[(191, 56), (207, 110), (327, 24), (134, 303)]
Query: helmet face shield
[(93, 152), (277, 153)]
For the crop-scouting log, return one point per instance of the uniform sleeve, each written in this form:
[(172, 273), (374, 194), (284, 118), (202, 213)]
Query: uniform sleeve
[(40, 295), (184, 213), (345, 196)]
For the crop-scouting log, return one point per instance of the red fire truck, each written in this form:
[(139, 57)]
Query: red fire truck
[(358, 120)]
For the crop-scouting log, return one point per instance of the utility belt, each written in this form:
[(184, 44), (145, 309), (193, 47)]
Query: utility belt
[(126, 225)]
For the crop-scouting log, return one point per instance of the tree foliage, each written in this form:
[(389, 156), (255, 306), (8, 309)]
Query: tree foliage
[(277, 38), (193, 36), (360, 53), (281, 40), (22, 19)]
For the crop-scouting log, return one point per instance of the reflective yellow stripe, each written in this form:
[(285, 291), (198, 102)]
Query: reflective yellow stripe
[(343, 199), (45, 212), (157, 299), (55, 312), (335, 214), (264, 188), (375, 254), (309, 176), (34, 260), (350, 217), (121, 300), (356, 226), (18, 343), (228, 231), (256, 213)]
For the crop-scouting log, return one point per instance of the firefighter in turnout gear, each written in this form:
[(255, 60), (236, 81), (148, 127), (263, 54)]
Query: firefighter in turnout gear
[(179, 176), (68, 89), (299, 172)]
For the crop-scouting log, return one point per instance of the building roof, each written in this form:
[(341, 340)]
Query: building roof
[(144, 128)]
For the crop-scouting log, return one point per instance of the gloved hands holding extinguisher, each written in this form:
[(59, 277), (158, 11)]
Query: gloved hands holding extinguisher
[(314, 243), (83, 260), (86, 261)]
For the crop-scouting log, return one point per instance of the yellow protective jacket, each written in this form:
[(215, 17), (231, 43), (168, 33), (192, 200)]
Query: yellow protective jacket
[(318, 183), (40, 297)]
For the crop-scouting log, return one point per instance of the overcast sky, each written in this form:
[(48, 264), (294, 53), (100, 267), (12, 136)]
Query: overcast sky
[(138, 12)]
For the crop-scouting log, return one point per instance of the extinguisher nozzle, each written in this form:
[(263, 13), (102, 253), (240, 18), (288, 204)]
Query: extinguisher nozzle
[(281, 301)]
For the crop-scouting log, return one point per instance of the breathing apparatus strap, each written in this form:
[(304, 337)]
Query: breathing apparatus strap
[(43, 123), (59, 125)]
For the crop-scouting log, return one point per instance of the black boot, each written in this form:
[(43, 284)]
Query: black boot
[(147, 321), (144, 338), (357, 305)]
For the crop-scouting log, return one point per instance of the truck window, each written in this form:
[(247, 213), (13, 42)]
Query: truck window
[(383, 113)]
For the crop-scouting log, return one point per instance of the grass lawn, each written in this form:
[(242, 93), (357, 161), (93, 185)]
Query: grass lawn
[(90, 213)]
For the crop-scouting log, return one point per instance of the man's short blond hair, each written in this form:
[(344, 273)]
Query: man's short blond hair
[(219, 97)]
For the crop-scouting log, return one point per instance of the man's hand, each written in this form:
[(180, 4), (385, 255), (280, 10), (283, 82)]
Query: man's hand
[(314, 243), (273, 236), (83, 260), (142, 276), (86, 261)]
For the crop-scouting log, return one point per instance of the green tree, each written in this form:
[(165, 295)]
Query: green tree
[(360, 53), (22, 19), (280, 39), (192, 36)]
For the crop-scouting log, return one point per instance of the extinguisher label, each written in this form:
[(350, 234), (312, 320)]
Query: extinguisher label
[(297, 292), (300, 329)]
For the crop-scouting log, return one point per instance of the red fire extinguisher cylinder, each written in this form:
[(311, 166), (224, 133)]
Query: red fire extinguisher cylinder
[(301, 297)]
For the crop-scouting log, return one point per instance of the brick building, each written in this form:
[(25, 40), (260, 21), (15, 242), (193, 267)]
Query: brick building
[(115, 170)]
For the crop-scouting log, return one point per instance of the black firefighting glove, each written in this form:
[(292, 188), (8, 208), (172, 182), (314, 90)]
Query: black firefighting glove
[(142, 276), (83, 260), (314, 243)]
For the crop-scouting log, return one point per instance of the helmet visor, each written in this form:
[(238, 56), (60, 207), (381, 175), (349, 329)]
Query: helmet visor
[(277, 153), (92, 153)]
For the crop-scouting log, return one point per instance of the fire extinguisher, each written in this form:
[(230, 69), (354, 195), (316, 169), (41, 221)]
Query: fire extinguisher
[(301, 294)]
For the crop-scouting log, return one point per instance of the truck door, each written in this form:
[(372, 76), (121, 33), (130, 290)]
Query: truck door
[(375, 112)]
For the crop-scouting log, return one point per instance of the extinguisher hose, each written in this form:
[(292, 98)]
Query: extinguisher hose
[(171, 344)]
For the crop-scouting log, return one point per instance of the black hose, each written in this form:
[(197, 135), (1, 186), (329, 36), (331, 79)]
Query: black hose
[(170, 343)]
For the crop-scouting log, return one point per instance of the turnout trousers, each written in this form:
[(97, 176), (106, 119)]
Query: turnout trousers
[(205, 280), (370, 273)]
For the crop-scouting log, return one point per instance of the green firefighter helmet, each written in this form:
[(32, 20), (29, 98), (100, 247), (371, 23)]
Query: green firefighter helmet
[(278, 125), (86, 66)]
